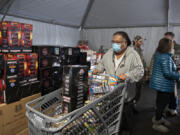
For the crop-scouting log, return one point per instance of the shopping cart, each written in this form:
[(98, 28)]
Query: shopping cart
[(101, 117)]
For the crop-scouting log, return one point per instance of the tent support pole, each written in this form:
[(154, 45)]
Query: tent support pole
[(86, 13), (169, 27), (7, 9), (3, 3)]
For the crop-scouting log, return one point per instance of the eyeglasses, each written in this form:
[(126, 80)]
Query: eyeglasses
[(121, 42)]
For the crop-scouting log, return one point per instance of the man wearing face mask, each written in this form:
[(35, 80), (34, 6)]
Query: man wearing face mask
[(137, 44), (121, 60)]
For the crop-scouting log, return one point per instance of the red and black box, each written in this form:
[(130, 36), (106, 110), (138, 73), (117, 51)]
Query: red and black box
[(10, 35), (32, 63), (1, 65), (26, 36), (23, 68), (2, 89), (11, 64)]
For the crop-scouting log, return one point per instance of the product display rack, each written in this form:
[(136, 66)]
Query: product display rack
[(100, 117)]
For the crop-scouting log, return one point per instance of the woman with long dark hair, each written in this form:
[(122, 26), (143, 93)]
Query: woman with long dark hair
[(163, 80)]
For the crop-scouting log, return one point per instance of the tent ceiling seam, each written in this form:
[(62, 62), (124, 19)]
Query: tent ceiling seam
[(29, 18)]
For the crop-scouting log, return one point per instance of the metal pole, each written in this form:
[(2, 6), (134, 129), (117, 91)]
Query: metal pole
[(3, 3), (169, 26), (7, 9), (86, 13)]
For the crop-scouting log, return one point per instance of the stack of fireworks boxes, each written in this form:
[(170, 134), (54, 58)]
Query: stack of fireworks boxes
[(19, 66), (50, 69), (75, 79)]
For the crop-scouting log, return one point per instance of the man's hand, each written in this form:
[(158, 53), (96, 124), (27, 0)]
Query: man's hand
[(95, 71), (122, 77)]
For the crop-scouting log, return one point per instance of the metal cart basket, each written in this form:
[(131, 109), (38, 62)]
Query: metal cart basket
[(101, 117)]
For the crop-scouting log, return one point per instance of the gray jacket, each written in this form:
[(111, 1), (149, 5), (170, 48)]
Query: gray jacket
[(130, 65)]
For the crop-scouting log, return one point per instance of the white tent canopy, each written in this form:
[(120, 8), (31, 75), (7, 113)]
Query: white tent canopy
[(98, 18), (98, 13)]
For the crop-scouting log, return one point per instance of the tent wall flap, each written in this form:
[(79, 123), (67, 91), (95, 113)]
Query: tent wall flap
[(50, 34)]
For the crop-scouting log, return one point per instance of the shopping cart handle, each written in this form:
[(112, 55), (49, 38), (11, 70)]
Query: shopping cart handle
[(122, 81)]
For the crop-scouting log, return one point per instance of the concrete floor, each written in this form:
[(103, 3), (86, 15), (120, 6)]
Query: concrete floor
[(143, 124)]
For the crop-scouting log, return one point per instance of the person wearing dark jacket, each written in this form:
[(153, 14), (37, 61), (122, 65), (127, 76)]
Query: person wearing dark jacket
[(164, 77), (173, 100)]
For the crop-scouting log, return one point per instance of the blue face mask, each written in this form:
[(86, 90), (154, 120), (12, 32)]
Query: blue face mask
[(116, 47)]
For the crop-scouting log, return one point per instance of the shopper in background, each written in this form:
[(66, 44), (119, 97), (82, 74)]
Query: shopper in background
[(82, 44), (163, 80), (137, 44), (173, 101)]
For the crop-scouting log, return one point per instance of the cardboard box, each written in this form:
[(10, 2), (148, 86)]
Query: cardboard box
[(12, 116), (24, 132)]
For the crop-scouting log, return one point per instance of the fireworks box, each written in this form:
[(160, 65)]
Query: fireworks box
[(69, 55), (70, 51), (26, 36), (23, 68), (2, 65), (70, 104), (2, 88), (35, 87), (45, 73), (82, 58), (69, 59), (57, 73), (10, 35), (30, 88), (24, 89), (75, 82), (43, 51), (32, 60), (12, 93), (55, 50), (45, 62), (11, 64), (46, 86)]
